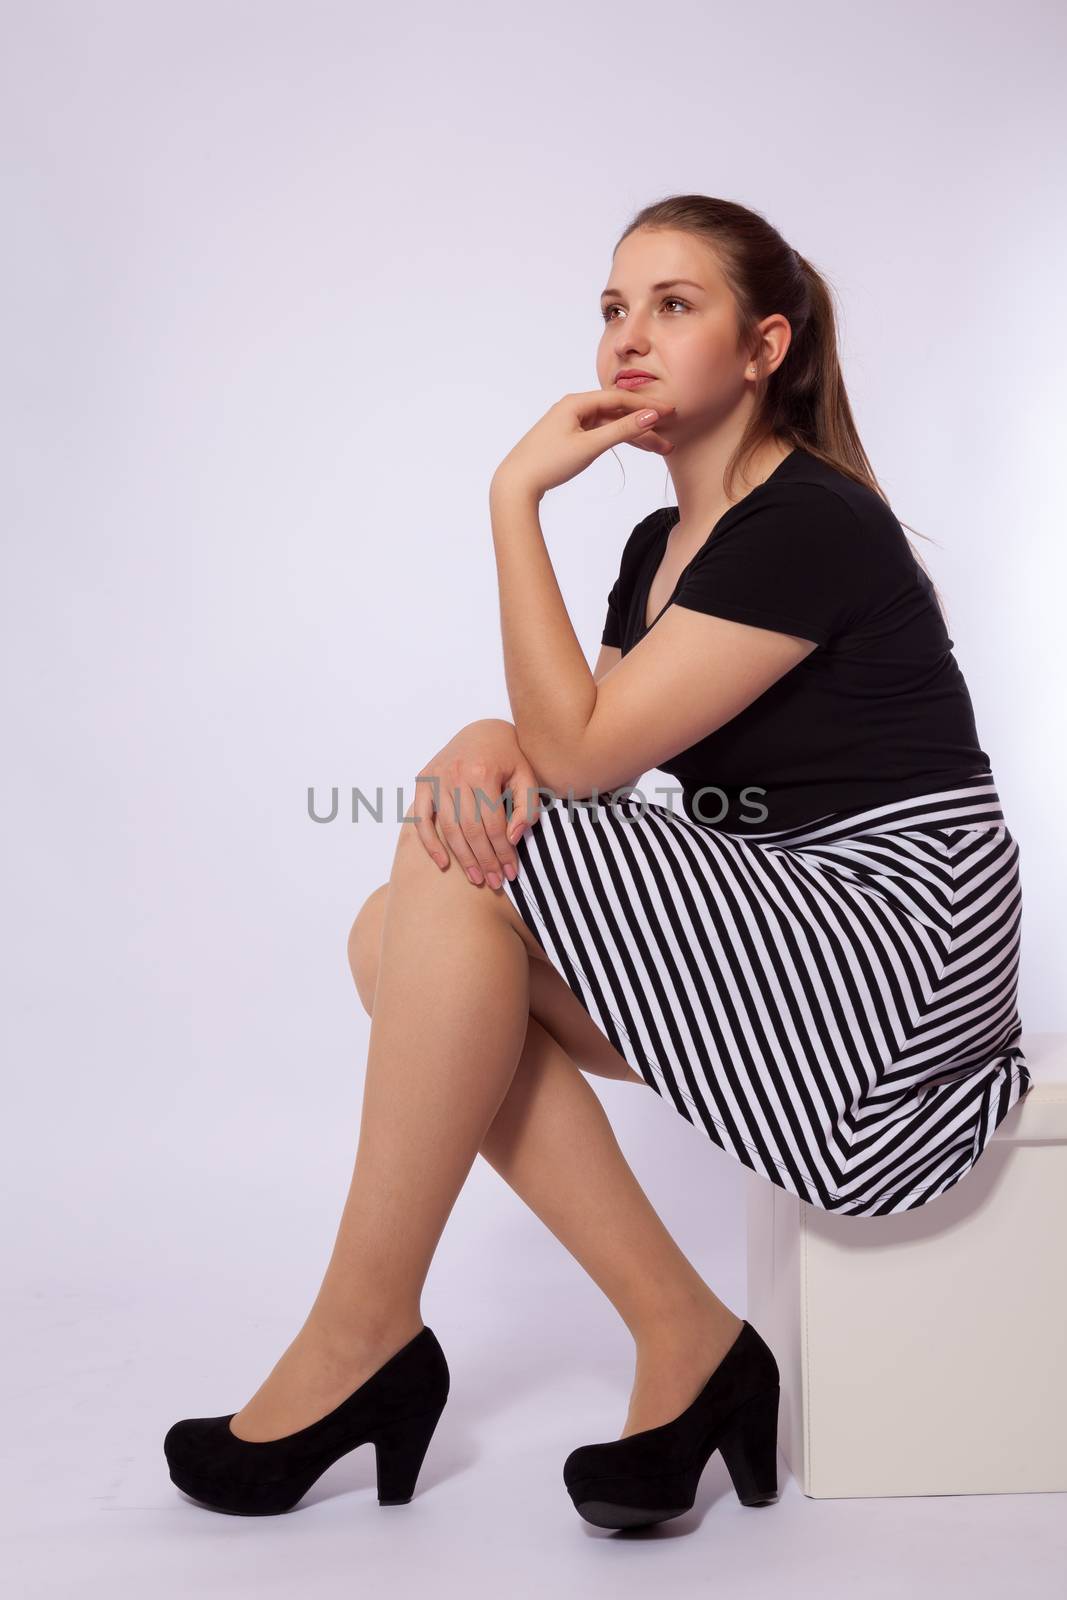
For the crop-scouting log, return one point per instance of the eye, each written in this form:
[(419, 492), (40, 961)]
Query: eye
[(671, 299)]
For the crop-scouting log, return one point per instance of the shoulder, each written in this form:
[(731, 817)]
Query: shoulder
[(644, 534), (814, 486), (811, 505), (649, 528)]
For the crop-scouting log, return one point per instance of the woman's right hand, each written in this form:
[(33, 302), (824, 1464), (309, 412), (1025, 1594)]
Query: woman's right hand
[(484, 755)]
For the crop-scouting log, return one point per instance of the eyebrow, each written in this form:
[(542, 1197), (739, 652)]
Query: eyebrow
[(656, 287)]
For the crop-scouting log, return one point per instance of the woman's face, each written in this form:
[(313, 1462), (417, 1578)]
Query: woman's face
[(683, 332)]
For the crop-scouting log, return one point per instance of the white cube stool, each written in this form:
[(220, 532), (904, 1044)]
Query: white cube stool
[(926, 1353)]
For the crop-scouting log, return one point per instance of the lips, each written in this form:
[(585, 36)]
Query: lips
[(633, 372)]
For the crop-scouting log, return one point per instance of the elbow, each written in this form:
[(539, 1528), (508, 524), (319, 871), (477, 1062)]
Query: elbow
[(558, 770), (571, 768), (551, 761), (572, 775), (561, 777)]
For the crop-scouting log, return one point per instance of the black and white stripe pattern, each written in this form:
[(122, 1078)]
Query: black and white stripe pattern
[(835, 1004)]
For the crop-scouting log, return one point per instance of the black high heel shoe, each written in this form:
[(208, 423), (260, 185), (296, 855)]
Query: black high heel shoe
[(652, 1476), (397, 1410)]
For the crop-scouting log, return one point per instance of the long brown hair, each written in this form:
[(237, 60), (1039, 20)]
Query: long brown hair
[(802, 402)]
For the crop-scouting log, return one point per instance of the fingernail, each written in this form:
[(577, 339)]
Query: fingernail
[(509, 871), (494, 880), (474, 875)]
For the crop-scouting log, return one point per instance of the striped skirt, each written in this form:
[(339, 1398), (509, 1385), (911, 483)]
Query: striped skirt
[(834, 1004)]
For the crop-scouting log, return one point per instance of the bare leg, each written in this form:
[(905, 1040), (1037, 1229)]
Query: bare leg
[(449, 1023), (553, 1143), (450, 1027)]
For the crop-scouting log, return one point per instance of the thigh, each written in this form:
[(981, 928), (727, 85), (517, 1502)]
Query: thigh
[(413, 868), (562, 1014), (552, 1002)]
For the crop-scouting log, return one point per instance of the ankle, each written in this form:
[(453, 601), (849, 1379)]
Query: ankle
[(705, 1320), (344, 1340)]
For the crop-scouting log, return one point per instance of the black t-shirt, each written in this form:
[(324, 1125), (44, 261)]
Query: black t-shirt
[(878, 712)]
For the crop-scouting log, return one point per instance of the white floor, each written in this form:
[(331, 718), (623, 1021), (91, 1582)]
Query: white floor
[(491, 1518), (115, 1330)]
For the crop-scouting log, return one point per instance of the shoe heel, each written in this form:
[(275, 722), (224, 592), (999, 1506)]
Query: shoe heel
[(750, 1449), (399, 1452)]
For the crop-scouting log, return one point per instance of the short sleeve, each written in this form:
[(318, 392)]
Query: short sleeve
[(612, 633), (797, 560), (633, 555)]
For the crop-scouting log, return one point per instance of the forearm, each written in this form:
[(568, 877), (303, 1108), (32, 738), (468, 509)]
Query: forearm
[(550, 686)]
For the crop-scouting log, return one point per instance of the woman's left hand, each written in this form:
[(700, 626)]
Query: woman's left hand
[(576, 430)]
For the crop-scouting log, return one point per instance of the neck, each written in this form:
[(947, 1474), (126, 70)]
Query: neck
[(697, 470)]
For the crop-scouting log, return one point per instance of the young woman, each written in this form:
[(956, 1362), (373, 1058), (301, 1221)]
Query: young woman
[(814, 958)]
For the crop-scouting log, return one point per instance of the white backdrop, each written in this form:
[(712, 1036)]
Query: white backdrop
[(284, 282)]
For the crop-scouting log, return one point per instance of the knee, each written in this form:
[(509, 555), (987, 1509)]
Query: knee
[(410, 850), (364, 945)]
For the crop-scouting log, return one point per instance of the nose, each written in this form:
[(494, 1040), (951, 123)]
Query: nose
[(632, 352), (631, 340)]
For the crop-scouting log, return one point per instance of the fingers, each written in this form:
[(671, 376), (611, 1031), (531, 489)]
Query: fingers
[(422, 811), (648, 439), (526, 800), (476, 835), (607, 405), (619, 413), (483, 797), (643, 426)]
